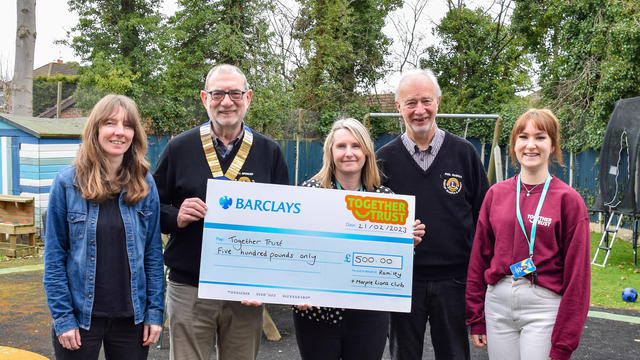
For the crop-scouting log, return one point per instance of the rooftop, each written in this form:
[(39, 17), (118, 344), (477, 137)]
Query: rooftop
[(46, 128), (55, 68)]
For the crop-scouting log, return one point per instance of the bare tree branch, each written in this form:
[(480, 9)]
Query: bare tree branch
[(410, 45), (282, 19), (5, 72)]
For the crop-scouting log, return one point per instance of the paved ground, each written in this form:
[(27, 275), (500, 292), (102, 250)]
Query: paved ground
[(25, 323)]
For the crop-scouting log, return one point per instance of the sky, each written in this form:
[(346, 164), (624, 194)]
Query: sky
[(53, 20)]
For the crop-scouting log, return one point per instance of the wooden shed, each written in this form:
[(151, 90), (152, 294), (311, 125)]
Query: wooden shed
[(32, 151)]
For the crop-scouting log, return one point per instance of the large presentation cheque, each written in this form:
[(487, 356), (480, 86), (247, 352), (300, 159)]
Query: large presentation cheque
[(299, 245)]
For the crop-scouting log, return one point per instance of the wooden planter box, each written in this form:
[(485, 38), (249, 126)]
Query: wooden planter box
[(16, 223)]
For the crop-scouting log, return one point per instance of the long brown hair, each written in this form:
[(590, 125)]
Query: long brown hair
[(369, 176), (92, 166)]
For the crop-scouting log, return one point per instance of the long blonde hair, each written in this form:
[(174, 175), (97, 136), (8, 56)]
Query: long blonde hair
[(92, 166), (369, 176)]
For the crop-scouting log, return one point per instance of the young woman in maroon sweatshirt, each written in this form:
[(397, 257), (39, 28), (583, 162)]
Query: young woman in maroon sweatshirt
[(527, 294)]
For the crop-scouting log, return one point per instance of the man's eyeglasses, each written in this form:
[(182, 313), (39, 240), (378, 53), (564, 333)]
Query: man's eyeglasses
[(218, 95)]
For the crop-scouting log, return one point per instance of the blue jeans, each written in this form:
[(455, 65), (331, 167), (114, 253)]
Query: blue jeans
[(441, 303), (121, 337)]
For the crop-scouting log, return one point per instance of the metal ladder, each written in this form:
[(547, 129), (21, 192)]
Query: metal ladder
[(605, 245)]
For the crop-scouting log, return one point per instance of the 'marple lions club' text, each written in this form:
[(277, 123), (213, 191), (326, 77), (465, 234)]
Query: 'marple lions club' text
[(378, 210)]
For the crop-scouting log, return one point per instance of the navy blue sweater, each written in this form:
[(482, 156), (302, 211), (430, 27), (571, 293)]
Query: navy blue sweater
[(182, 173), (448, 199)]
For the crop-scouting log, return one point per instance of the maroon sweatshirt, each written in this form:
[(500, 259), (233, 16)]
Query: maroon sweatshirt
[(560, 254)]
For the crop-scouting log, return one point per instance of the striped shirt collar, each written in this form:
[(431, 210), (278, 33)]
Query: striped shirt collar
[(424, 158), (434, 146)]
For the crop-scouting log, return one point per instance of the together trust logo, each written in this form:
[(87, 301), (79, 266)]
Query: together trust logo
[(225, 202), (378, 210)]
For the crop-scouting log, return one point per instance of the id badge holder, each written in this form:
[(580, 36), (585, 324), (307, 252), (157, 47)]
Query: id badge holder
[(522, 268)]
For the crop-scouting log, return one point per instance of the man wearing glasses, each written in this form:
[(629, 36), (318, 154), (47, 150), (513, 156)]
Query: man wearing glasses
[(223, 148)]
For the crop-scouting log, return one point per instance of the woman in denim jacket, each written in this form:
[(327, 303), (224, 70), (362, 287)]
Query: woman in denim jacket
[(103, 273)]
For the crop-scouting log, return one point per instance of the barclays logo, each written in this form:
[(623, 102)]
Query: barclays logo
[(225, 202), (267, 205)]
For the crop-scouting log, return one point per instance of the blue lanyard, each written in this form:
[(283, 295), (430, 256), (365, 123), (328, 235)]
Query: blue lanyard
[(532, 239)]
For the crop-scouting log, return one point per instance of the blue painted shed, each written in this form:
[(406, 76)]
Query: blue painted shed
[(32, 151)]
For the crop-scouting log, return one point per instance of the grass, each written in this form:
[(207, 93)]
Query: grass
[(607, 283), (10, 262)]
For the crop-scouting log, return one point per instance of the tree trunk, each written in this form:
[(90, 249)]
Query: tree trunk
[(22, 93)]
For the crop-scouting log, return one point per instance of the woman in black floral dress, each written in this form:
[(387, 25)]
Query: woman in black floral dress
[(331, 333)]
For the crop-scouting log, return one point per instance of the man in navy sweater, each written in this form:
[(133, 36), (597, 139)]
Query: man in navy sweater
[(446, 176)]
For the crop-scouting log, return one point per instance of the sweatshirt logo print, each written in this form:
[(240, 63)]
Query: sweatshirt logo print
[(378, 210), (542, 220), (452, 183)]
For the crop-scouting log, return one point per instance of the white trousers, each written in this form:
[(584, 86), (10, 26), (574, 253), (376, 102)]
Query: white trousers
[(520, 317)]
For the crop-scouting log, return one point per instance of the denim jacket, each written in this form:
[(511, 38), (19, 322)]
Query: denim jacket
[(70, 254)]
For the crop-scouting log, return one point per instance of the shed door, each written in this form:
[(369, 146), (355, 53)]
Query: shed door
[(6, 169)]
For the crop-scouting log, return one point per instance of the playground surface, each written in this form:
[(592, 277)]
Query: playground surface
[(25, 324)]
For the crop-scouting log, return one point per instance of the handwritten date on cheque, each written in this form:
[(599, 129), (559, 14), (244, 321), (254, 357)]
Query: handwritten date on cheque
[(379, 227)]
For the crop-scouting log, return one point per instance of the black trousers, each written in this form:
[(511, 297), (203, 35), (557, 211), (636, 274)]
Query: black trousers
[(121, 337), (441, 303), (361, 335)]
